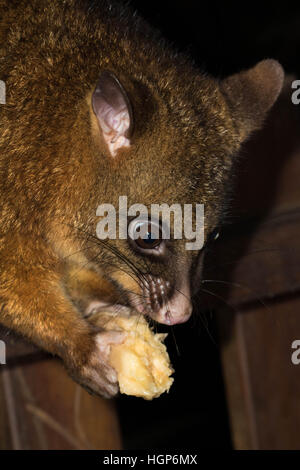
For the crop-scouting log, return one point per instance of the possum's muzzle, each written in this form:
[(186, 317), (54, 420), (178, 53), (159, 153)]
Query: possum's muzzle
[(163, 304)]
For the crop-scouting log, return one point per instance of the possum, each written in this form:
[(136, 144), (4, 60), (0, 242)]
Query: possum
[(98, 105)]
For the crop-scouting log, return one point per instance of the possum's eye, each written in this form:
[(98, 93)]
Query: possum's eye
[(145, 234)]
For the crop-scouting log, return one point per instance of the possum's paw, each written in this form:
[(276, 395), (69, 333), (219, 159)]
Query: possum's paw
[(96, 374)]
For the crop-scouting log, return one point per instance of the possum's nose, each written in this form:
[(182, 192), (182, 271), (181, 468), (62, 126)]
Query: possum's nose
[(178, 309), (163, 307)]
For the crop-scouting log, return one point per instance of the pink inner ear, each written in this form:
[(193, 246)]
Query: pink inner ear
[(112, 108), (114, 127)]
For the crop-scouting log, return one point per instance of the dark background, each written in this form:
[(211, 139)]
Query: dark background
[(222, 38)]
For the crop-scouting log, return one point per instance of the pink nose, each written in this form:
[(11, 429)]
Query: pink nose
[(177, 310)]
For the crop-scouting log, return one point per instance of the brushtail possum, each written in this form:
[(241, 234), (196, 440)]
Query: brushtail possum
[(98, 105)]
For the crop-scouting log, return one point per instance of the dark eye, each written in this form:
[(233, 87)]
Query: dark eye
[(146, 235)]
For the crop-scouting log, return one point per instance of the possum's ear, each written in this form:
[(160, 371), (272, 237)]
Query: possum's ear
[(112, 107), (251, 93)]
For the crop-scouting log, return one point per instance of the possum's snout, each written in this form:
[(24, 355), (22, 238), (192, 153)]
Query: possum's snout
[(164, 304)]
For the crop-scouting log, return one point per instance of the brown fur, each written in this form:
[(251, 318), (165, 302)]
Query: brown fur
[(55, 169)]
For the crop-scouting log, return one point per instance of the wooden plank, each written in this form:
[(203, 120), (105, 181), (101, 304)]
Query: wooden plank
[(5, 434), (17, 348), (256, 260), (258, 279), (45, 409), (262, 383)]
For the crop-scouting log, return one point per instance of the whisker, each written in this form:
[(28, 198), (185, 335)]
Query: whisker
[(175, 342), (219, 298), (139, 274), (241, 286), (205, 324), (113, 250)]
